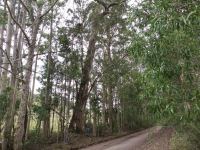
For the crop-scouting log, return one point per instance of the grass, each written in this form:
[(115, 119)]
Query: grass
[(182, 141)]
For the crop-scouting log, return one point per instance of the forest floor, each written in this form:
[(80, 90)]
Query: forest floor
[(156, 138), (76, 142)]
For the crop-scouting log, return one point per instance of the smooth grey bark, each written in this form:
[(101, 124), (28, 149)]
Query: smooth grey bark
[(94, 127), (6, 60), (46, 125), (105, 93), (2, 30), (31, 97), (9, 116), (25, 88), (18, 139), (95, 117), (67, 114), (110, 85)]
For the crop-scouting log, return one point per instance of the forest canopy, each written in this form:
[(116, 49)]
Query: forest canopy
[(97, 68)]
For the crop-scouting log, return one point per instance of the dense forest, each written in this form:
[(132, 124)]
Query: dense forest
[(98, 68)]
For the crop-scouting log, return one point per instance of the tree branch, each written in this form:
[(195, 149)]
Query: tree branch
[(107, 6), (26, 8), (7, 57), (47, 11), (93, 84), (102, 3), (17, 23), (13, 74), (112, 4), (59, 114)]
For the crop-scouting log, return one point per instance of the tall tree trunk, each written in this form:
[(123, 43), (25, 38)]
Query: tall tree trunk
[(2, 29), (31, 97), (66, 131), (68, 102), (25, 88), (94, 128), (110, 102), (64, 107), (94, 112), (77, 121), (110, 85), (55, 94), (9, 116), (9, 34), (104, 103), (46, 124)]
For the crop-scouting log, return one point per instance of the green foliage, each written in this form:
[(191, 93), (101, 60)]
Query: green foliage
[(4, 101), (40, 2), (115, 70), (71, 57), (133, 104), (95, 104), (3, 17), (64, 41), (186, 137), (167, 46), (40, 112), (181, 141), (74, 71), (103, 130), (55, 101), (38, 108)]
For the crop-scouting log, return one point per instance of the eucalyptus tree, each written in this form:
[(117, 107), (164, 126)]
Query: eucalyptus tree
[(35, 19), (112, 41), (2, 31), (95, 108), (13, 62), (77, 121), (50, 69), (116, 41), (47, 82), (167, 46), (3, 23), (9, 35), (70, 69)]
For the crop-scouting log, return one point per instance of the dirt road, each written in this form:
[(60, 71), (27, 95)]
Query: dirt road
[(130, 142)]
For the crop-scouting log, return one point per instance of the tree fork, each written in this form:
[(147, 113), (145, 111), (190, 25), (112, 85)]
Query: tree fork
[(77, 121)]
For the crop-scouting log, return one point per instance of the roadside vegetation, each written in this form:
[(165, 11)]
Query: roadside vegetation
[(92, 70)]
